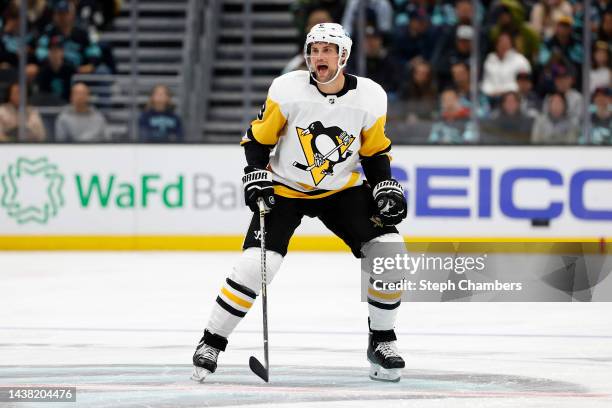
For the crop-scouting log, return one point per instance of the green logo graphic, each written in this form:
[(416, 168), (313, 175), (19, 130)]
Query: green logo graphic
[(32, 190)]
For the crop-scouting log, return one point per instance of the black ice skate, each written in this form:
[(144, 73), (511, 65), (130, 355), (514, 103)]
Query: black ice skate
[(385, 362), (206, 355)]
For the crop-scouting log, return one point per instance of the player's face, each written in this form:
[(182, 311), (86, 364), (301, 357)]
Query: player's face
[(324, 60)]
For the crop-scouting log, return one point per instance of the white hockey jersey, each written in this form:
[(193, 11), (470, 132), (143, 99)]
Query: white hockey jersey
[(319, 139)]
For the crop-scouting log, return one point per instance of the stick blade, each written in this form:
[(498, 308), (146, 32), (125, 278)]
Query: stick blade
[(258, 368)]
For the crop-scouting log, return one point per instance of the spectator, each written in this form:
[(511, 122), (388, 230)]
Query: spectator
[(79, 121), (9, 44), (601, 118), (417, 39), (97, 13), (380, 66), (502, 66), (454, 125), (564, 80), (79, 49), (460, 73), (443, 13), (159, 123), (302, 10), (510, 18), (464, 12), (379, 13), (508, 124), (316, 16), (530, 101), (554, 126), (563, 44), (545, 13), (601, 67), (460, 51), (39, 15), (605, 28), (56, 72), (9, 119), (419, 94)]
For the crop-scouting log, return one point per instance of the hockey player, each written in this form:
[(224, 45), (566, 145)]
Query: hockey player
[(323, 123)]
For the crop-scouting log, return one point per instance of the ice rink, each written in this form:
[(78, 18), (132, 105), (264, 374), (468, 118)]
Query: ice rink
[(122, 327)]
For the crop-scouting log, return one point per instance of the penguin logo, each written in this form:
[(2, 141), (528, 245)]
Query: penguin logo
[(323, 149)]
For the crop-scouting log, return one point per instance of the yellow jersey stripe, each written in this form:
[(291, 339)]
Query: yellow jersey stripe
[(287, 192), (374, 140), (236, 299), (386, 296), (267, 126)]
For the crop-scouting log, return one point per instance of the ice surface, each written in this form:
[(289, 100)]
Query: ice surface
[(121, 327)]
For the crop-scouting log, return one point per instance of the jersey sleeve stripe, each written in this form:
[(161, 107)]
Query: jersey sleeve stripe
[(373, 140), (266, 128)]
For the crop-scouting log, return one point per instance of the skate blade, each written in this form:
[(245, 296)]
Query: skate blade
[(199, 374), (378, 373)]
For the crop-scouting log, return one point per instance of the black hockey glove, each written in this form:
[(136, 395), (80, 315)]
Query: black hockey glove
[(257, 184), (390, 202)]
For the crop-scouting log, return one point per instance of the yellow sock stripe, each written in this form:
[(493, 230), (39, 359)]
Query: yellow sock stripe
[(386, 296), (236, 299)]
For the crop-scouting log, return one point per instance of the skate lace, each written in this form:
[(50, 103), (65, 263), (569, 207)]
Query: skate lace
[(209, 353), (387, 349)]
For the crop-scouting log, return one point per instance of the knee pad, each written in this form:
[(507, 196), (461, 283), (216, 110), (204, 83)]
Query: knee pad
[(386, 246), (370, 248), (247, 271)]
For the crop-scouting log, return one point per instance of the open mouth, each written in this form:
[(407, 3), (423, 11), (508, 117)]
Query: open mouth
[(322, 70)]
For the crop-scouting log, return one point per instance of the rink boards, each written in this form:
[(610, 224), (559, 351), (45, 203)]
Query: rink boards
[(190, 196)]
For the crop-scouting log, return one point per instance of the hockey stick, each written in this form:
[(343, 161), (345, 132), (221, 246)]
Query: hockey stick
[(308, 168), (259, 369)]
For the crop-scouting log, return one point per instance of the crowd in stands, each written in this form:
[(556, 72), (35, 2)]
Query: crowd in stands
[(530, 67), (63, 41)]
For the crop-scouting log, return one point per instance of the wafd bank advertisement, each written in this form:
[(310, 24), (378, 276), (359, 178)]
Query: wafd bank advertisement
[(195, 191)]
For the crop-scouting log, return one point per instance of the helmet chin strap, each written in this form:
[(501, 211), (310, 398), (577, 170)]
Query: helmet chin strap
[(314, 77)]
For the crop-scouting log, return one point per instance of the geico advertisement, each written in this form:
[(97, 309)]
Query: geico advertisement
[(196, 190)]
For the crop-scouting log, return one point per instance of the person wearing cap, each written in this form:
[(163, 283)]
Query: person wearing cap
[(79, 48), (545, 13), (417, 39), (601, 118), (56, 72), (564, 80), (381, 67), (601, 65), (530, 101), (563, 44), (460, 51), (501, 67)]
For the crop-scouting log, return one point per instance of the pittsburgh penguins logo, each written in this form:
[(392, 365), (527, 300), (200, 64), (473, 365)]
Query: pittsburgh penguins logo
[(323, 149)]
